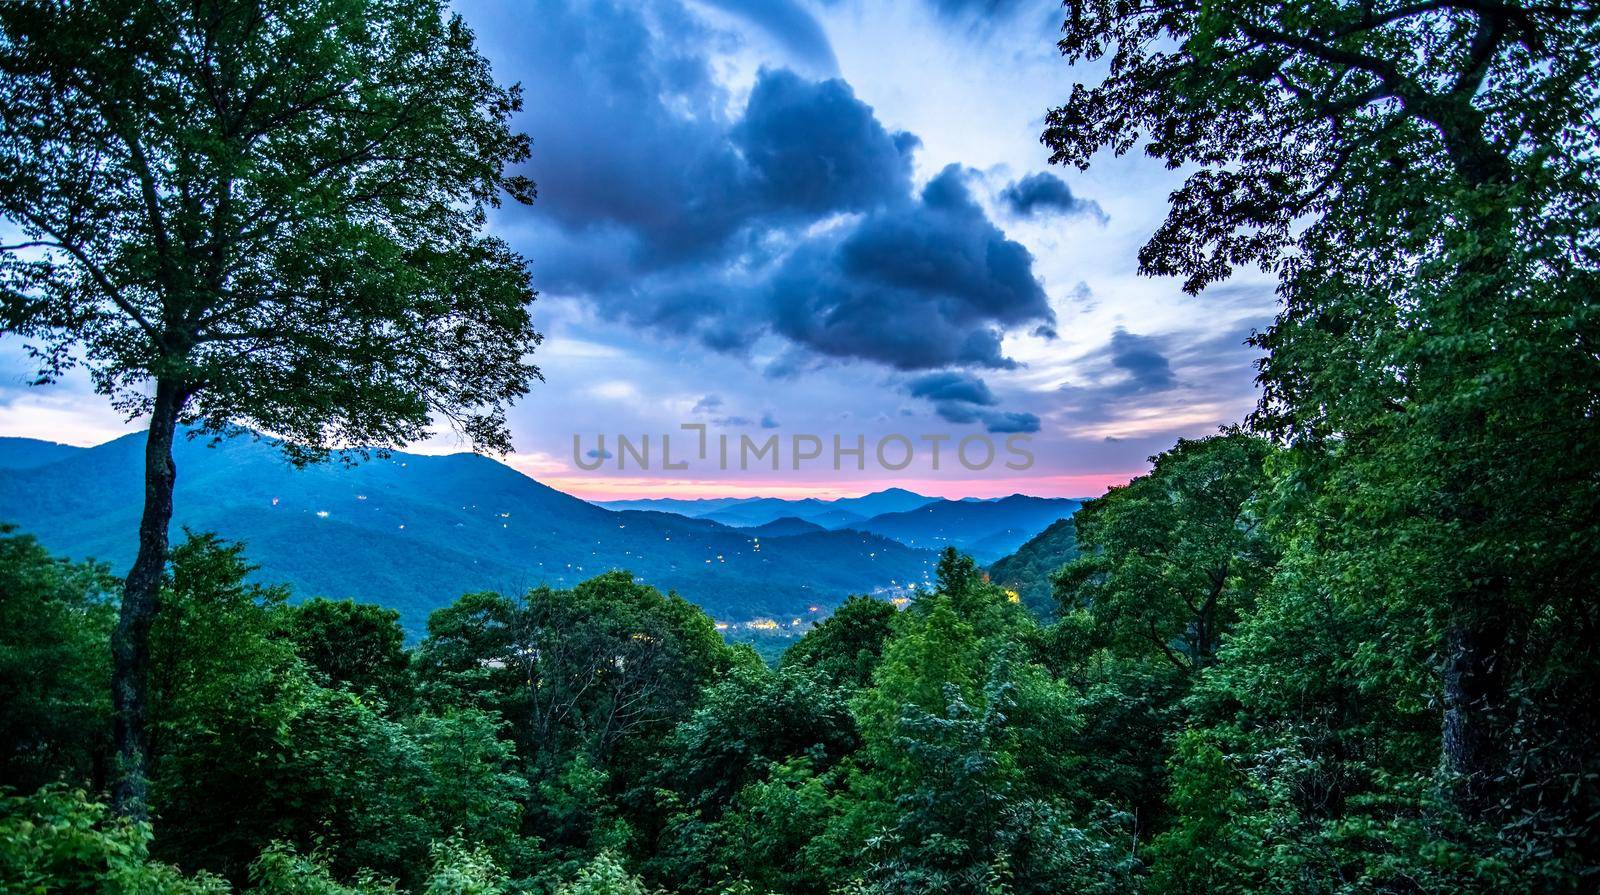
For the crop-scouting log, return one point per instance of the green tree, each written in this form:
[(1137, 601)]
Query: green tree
[(57, 840), (1422, 178), (55, 668), (1168, 561), (248, 748), (848, 644), (258, 213), (744, 782), (604, 875), (360, 646)]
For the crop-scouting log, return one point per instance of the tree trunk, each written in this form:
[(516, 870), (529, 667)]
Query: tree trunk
[(1477, 668), (1474, 694), (130, 642)]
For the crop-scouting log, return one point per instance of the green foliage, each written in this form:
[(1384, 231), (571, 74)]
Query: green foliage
[(1410, 710), (460, 870), (846, 647), (282, 871), (250, 749), (283, 230), (359, 646), (193, 249), (55, 667), (1030, 571), (747, 782), (57, 840), (604, 875), (1172, 558)]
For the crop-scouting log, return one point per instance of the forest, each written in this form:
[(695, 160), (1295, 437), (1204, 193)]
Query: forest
[(1344, 646), (1204, 716)]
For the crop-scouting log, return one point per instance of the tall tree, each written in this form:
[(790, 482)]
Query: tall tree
[(262, 213), (1168, 561), (1422, 177)]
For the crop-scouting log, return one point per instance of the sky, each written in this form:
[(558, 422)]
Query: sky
[(819, 219)]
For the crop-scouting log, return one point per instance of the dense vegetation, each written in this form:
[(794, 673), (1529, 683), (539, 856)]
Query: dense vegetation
[(1029, 570), (1348, 649), (1199, 719)]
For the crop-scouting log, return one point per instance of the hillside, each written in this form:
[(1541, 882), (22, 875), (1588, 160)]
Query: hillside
[(987, 529), (1028, 570), (414, 532), (753, 511), (788, 526), (28, 453)]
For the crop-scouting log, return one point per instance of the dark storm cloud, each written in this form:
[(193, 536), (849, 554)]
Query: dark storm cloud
[(793, 214), (813, 147), (788, 23), (1011, 422), (1135, 374), (642, 170), (962, 398), (951, 386), (1139, 356), (1046, 193), (923, 285)]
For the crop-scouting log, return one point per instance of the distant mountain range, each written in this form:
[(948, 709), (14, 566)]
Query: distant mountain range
[(414, 532), (751, 511), (987, 529)]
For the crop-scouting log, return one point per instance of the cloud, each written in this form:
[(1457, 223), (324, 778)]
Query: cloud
[(789, 24), (1142, 385), (976, 8), (951, 386), (768, 421), (1147, 368), (1011, 422), (707, 404), (599, 454), (962, 398), (667, 207), (928, 284), (1129, 373), (1042, 193), (643, 170), (812, 147)]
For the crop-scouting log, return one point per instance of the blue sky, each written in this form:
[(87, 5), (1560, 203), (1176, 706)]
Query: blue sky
[(826, 217)]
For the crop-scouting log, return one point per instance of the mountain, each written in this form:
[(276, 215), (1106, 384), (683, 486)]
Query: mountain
[(986, 529), (889, 500), (682, 506), (414, 532), (761, 510), (788, 526), (833, 519), (753, 511), (1028, 570), (28, 453)]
